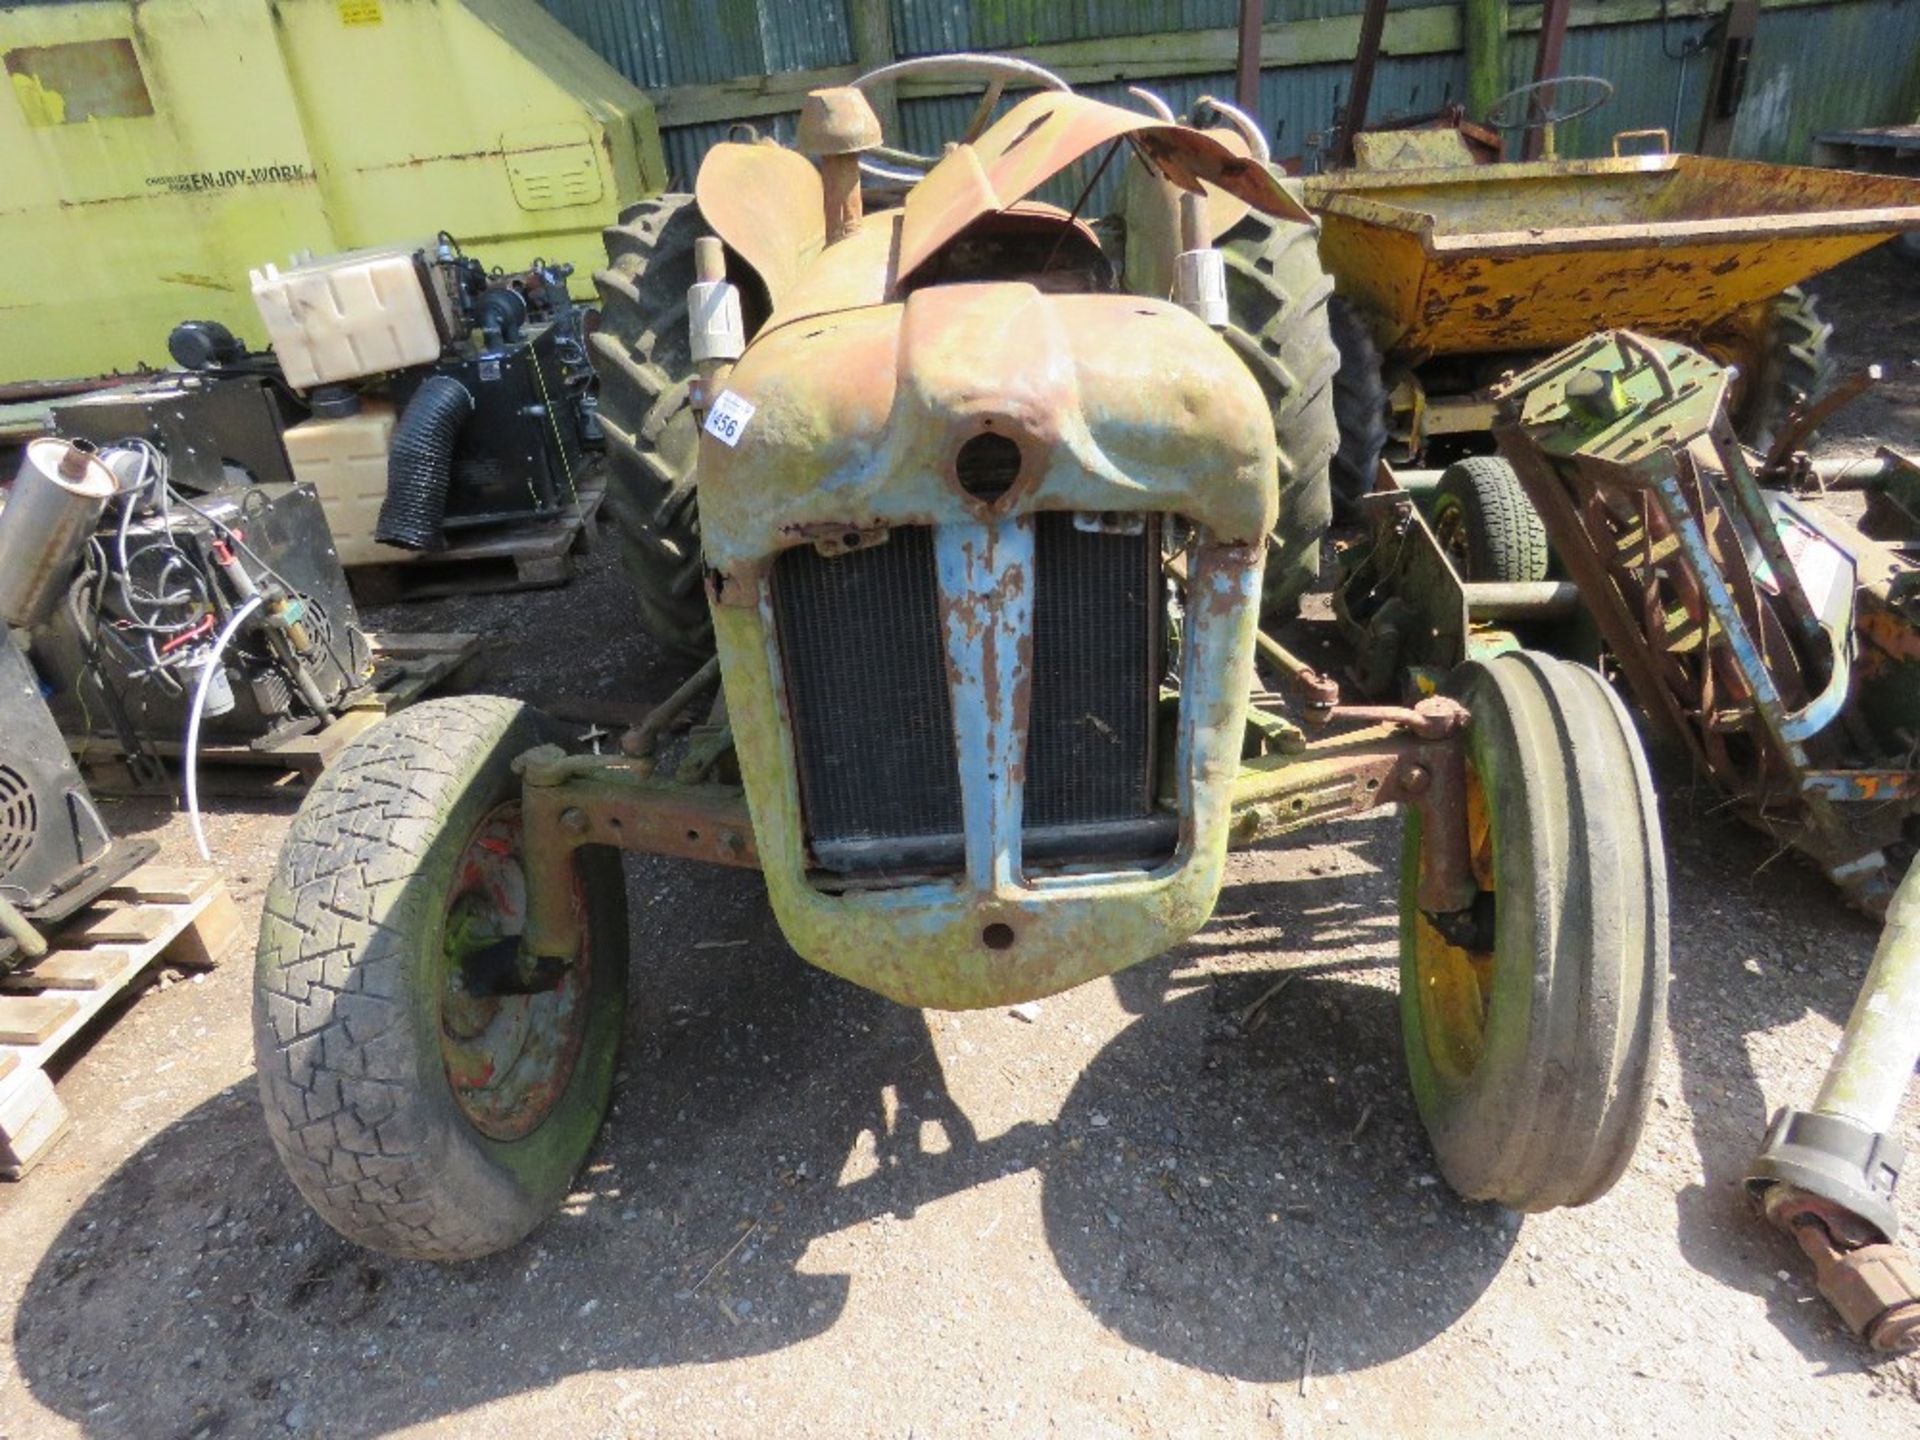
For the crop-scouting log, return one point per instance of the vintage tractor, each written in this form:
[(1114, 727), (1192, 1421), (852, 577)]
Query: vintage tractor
[(982, 538)]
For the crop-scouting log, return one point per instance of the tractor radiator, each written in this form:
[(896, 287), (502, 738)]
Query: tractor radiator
[(872, 708)]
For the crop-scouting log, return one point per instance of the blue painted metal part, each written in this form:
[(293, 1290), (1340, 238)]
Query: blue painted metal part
[(986, 605), (1766, 695)]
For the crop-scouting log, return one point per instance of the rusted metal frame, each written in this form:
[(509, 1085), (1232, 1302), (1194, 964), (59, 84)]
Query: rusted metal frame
[(1578, 549), (1862, 785), (1554, 15), (567, 801), (1683, 510), (1366, 57), (1738, 658), (1246, 86), (1357, 771), (1736, 655), (1813, 411)]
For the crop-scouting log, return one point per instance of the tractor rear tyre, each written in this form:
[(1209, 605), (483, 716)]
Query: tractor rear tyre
[(427, 1100), (643, 357), (1360, 407), (1533, 1020), (1484, 521), (1277, 294)]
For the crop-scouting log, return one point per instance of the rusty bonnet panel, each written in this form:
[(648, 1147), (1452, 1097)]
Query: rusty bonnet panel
[(1116, 403), (1040, 137)]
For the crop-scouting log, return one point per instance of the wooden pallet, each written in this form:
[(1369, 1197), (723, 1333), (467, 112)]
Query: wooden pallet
[(530, 556), (411, 665), (157, 915)]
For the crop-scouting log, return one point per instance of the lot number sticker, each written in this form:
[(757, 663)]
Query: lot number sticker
[(728, 418)]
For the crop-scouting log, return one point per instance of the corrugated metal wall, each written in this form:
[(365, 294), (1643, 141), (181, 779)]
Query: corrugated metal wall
[(929, 27), (656, 43), (1845, 62), (1818, 68)]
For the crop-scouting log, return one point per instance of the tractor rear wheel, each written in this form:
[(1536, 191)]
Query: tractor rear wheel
[(426, 1098), (1277, 294), (643, 357), (1533, 1019), (1360, 407)]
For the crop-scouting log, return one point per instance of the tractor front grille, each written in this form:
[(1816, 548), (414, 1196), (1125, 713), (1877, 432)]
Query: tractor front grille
[(871, 702), (1096, 674), (866, 681)]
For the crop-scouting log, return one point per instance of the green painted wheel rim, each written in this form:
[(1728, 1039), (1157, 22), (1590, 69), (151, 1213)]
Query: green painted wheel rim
[(1454, 983)]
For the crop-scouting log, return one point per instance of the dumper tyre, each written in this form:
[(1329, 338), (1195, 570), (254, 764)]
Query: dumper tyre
[(1277, 294), (421, 1107), (644, 359), (1533, 1029), (1360, 407), (1782, 349), (1487, 525)]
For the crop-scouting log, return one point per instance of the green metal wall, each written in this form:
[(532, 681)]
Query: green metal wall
[(1825, 65), (1822, 67)]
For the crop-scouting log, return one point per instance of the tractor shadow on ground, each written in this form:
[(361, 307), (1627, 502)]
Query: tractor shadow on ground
[(1740, 969), (1212, 1194), (1244, 1176)]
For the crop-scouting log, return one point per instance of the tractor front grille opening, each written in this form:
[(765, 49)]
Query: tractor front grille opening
[(871, 701), (866, 680)]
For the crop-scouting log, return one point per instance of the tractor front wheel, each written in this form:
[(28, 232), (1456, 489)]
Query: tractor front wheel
[(1533, 1018), (429, 1097)]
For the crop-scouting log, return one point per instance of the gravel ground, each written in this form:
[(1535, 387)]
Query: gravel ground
[(817, 1213)]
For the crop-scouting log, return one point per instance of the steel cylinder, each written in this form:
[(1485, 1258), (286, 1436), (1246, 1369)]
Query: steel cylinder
[(1877, 1053), (53, 507)]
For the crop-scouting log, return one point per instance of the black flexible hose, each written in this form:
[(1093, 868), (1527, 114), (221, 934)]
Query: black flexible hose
[(420, 464)]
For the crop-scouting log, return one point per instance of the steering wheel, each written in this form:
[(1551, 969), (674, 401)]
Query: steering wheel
[(993, 71), (1528, 117)]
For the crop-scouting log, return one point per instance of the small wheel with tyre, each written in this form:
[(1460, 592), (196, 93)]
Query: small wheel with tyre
[(1533, 1019), (428, 1096), (1484, 521)]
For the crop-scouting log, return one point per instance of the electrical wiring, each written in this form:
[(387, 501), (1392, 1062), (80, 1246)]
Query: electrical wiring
[(209, 667)]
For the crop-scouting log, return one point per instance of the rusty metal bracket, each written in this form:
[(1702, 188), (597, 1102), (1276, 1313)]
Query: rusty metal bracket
[(640, 741), (1813, 412), (1319, 693), (1872, 1285), (1435, 717), (1404, 757), (567, 801)]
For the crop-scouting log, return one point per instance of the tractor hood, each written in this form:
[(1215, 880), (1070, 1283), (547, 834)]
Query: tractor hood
[(765, 202), (1116, 403)]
